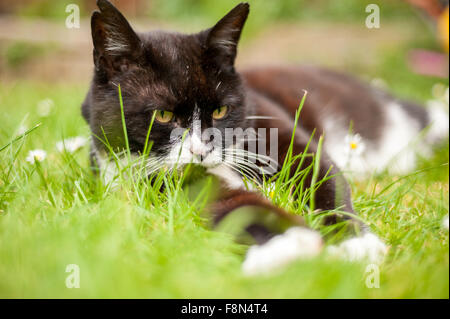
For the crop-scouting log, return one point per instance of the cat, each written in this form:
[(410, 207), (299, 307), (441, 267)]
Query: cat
[(189, 82)]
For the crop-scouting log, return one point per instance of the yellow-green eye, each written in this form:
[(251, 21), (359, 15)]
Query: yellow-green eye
[(163, 116), (220, 112)]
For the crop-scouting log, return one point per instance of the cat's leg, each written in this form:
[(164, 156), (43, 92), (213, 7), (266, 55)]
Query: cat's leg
[(276, 236), (334, 193)]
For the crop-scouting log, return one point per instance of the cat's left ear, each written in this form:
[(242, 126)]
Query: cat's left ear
[(115, 43), (223, 38)]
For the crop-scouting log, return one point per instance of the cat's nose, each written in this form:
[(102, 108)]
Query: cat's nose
[(198, 148), (199, 151)]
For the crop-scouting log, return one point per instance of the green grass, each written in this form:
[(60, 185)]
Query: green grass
[(135, 241)]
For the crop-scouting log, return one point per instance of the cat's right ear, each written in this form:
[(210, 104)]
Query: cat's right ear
[(116, 45)]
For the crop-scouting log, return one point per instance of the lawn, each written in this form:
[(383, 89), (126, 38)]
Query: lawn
[(134, 241), (56, 213)]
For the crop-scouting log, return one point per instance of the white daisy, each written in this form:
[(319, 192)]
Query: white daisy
[(271, 190), (71, 144), (36, 156), (44, 107), (354, 145)]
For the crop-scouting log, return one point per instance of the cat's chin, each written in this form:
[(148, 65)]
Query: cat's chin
[(210, 164), (210, 161), (203, 164)]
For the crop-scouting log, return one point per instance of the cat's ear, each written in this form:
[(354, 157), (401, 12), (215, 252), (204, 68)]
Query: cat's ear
[(223, 38), (116, 45)]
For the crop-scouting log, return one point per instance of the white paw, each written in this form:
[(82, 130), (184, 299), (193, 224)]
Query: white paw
[(295, 243), (367, 247)]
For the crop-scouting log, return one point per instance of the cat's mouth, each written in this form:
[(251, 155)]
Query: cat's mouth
[(211, 159), (234, 159)]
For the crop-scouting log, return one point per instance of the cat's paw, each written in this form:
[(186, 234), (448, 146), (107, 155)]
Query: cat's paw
[(364, 248), (295, 243)]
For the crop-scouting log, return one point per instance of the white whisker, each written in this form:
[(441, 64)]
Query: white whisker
[(260, 117)]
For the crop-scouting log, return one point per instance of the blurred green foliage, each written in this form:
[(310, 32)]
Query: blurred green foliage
[(280, 10), (196, 14), (49, 9), (267, 10), (17, 53)]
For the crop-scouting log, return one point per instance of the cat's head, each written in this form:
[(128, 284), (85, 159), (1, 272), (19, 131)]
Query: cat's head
[(188, 80)]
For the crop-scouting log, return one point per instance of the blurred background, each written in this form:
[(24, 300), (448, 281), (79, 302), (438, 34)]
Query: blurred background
[(36, 45)]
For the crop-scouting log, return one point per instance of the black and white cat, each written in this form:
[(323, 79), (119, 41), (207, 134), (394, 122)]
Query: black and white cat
[(189, 80)]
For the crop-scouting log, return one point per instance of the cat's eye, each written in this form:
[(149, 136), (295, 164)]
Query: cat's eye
[(163, 116), (220, 112)]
